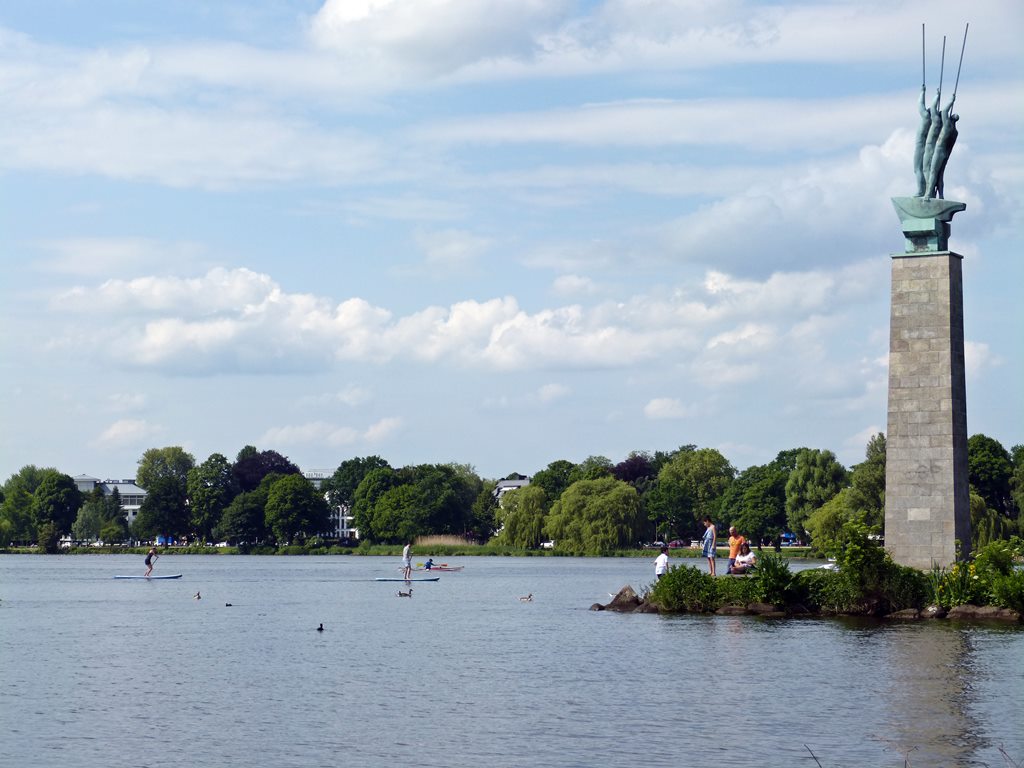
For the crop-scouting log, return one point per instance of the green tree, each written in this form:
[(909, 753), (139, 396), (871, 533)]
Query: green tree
[(56, 501), (90, 521), (244, 520), (522, 515), (826, 523), (693, 484), (1017, 481), (295, 509), (172, 462), (591, 468), (554, 479), (163, 511), (484, 514), (371, 488), (990, 470), (755, 502), (867, 484), (341, 486), (595, 516), (815, 479), (251, 466), (16, 516), (211, 487)]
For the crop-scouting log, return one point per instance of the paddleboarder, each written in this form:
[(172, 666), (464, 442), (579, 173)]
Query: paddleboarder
[(151, 558), (407, 561)]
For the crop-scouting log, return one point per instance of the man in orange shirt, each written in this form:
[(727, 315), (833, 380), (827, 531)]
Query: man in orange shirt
[(735, 542)]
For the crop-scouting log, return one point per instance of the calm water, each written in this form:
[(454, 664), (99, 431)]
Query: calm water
[(98, 672)]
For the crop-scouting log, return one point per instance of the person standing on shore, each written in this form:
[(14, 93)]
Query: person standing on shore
[(661, 563), (709, 542), (735, 542), (151, 558), (407, 562)]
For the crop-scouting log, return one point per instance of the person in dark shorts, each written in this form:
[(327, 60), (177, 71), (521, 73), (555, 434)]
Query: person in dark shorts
[(151, 557)]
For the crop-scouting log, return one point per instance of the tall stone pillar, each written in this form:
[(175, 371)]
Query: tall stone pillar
[(927, 500)]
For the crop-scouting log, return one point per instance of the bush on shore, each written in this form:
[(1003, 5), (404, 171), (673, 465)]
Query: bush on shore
[(866, 582)]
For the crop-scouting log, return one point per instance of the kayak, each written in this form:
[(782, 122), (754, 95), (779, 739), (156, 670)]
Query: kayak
[(442, 568)]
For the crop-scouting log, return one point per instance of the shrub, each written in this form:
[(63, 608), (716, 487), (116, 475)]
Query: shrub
[(903, 587), (736, 591), (829, 591), (774, 579), (685, 588), (1008, 591)]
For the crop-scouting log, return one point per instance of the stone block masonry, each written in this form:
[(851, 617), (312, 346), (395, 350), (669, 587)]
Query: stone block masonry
[(927, 501)]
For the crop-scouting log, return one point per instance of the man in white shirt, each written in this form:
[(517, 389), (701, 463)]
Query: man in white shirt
[(661, 563), (407, 561)]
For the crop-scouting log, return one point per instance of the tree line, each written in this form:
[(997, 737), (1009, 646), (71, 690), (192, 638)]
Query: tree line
[(589, 507)]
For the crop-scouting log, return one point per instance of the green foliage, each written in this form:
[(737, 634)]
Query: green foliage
[(49, 537), (591, 468), (594, 517), (295, 509), (170, 462), (866, 495), (902, 587), (737, 590), (484, 514), (685, 588), (774, 579), (210, 486), (990, 470), (1008, 591), (825, 524), (755, 502), (861, 558), (958, 585), (244, 519), (554, 479), (163, 511), (522, 516), (56, 500), (815, 479), (341, 486), (987, 525), (828, 591), (693, 484)]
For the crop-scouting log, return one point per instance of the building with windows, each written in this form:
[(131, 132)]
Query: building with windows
[(131, 494), (513, 482), (342, 521)]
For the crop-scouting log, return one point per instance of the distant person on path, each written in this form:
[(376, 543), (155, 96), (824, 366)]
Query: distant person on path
[(735, 542), (151, 557), (407, 561), (661, 563), (709, 542), (745, 561)]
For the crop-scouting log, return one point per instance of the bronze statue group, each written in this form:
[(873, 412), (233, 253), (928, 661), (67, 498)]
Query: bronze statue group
[(937, 133)]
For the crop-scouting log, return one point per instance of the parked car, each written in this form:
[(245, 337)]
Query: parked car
[(547, 545), (678, 544)]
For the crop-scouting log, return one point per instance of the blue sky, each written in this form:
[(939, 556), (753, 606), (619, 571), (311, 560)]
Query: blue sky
[(495, 232)]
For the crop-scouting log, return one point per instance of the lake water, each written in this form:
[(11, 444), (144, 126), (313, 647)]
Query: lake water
[(98, 672)]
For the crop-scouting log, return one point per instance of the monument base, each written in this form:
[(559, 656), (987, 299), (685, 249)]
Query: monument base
[(926, 222), (927, 502)]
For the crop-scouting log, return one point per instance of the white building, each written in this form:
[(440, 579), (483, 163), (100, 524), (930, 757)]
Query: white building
[(131, 494), (341, 515), (515, 482)]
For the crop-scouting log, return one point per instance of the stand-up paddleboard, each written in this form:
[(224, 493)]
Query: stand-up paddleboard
[(174, 576), (381, 578)]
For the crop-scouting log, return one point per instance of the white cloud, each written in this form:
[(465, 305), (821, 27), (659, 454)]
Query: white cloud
[(126, 432), (383, 429), (243, 321), (451, 250), (314, 432), (978, 358), (859, 441), (98, 256), (551, 392), (573, 285), (667, 408)]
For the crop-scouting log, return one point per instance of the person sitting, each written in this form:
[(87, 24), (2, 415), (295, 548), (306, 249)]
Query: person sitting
[(429, 564), (745, 561)]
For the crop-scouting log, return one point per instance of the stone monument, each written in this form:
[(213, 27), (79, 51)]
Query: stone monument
[(927, 502)]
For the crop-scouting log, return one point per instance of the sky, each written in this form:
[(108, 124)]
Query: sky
[(491, 232)]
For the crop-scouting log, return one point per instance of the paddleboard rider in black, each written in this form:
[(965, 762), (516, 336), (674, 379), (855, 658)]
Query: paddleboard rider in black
[(151, 557)]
